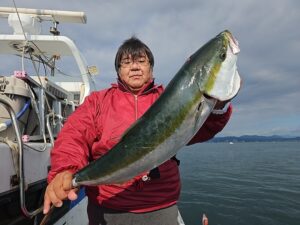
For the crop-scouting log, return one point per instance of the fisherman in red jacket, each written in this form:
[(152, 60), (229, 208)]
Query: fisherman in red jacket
[(97, 125)]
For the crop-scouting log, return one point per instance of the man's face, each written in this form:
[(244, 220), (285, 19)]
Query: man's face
[(135, 73)]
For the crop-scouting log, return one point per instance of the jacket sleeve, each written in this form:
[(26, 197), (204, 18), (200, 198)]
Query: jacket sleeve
[(213, 125), (72, 147)]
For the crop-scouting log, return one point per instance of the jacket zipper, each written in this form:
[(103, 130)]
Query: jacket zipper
[(136, 98), (136, 106)]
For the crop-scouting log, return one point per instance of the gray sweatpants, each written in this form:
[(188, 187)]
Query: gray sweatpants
[(104, 216)]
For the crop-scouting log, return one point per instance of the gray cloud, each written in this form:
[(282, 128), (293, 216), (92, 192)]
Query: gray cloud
[(267, 31)]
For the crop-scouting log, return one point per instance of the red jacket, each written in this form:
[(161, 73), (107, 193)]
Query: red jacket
[(97, 125)]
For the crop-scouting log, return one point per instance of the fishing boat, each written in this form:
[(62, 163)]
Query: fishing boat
[(48, 80)]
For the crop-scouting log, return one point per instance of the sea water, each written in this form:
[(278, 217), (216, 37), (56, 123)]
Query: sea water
[(253, 183)]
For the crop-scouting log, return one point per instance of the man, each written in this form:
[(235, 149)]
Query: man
[(97, 125)]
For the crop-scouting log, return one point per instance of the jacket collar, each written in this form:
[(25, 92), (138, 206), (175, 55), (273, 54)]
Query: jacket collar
[(123, 87)]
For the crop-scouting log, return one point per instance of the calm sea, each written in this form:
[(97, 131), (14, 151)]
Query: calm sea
[(241, 183)]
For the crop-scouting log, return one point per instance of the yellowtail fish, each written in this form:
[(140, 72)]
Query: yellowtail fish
[(210, 74)]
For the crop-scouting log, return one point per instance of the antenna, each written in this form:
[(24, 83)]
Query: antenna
[(47, 15)]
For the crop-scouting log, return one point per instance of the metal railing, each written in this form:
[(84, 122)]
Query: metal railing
[(12, 115)]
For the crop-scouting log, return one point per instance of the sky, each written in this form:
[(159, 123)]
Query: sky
[(267, 30)]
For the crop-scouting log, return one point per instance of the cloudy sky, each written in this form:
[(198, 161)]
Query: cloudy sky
[(267, 30)]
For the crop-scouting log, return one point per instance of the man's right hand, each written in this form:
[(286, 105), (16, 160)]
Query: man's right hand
[(58, 189)]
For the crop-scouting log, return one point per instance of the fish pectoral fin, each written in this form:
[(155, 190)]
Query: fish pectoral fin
[(204, 109), (199, 107)]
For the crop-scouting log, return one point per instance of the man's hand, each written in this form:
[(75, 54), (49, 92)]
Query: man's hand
[(60, 188)]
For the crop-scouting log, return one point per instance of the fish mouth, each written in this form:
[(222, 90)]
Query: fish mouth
[(233, 42)]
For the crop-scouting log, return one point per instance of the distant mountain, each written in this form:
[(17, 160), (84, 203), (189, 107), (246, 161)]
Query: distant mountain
[(254, 138)]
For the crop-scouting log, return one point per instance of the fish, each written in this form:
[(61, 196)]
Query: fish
[(204, 220), (209, 75)]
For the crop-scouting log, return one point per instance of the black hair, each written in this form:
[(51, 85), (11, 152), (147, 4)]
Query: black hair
[(134, 47)]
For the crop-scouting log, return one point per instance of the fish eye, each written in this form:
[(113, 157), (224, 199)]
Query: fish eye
[(223, 56)]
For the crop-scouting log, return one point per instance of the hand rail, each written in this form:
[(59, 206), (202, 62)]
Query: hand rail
[(12, 115)]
